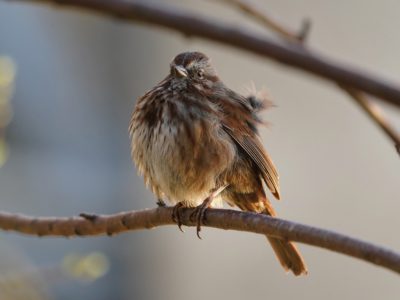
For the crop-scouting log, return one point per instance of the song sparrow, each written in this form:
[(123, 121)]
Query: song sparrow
[(195, 141)]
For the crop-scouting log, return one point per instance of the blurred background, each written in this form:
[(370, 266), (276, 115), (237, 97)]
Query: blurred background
[(74, 78)]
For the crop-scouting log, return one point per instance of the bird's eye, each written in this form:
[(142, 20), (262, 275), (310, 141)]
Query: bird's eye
[(200, 74)]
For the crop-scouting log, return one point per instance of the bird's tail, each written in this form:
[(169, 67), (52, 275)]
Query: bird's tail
[(286, 251), (288, 255)]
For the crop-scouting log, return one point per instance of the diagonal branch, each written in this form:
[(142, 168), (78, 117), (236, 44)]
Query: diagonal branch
[(90, 225), (373, 111), (267, 21), (193, 25), (376, 114)]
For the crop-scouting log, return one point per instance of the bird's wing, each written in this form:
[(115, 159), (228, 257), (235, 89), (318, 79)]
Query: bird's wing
[(240, 122), (255, 150)]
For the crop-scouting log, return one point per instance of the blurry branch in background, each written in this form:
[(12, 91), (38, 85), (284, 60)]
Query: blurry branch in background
[(90, 225), (376, 114), (7, 76), (267, 21), (372, 110), (191, 24)]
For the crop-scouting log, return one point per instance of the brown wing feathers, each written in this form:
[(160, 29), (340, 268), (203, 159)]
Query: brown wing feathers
[(242, 129)]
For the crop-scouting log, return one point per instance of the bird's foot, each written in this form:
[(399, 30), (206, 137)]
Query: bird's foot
[(176, 216), (198, 215)]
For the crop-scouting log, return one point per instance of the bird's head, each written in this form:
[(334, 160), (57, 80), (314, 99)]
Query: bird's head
[(194, 67)]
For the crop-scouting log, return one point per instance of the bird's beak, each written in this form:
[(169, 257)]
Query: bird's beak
[(180, 71)]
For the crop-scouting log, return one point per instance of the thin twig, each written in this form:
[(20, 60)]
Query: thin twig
[(267, 21), (217, 218), (194, 25), (376, 114), (373, 111)]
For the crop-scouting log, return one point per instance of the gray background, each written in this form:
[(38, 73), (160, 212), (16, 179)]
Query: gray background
[(78, 77)]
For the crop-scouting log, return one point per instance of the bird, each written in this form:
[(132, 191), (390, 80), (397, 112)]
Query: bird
[(196, 143)]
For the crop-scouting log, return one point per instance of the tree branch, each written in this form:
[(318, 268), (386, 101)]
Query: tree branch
[(90, 225), (372, 111), (267, 21), (376, 114), (193, 25)]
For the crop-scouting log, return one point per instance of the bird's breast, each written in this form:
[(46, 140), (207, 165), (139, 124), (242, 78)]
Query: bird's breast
[(181, 150)]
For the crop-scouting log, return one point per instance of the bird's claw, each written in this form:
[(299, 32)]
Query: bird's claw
[(176, 216), (198, 215)]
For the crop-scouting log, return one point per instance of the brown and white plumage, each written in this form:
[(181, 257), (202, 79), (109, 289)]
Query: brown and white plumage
[(192, 135)]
